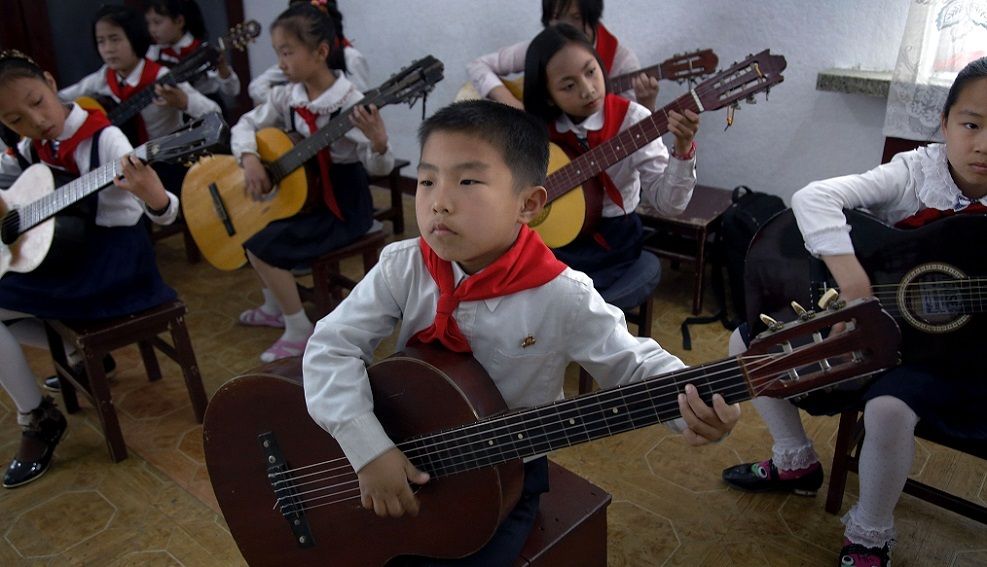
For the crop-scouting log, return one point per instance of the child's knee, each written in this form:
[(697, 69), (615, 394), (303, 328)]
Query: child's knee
[(888, 412)]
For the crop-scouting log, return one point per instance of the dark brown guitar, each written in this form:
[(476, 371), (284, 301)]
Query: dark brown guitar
[(932, 285), (291, 498)]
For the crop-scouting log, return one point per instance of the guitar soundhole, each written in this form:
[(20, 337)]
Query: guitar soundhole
[(932, 298), (10, 227)]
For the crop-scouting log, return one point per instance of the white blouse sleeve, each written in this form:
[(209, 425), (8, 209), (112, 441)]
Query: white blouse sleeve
[(243, 135), (485, 71), (260, 87)]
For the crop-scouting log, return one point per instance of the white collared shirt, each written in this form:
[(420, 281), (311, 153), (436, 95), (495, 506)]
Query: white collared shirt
[(563, 321), (910, 182), (485, 71), (208, 84), (159, 120), (276, 112), (665, 184), (115, 207), (357, 71)]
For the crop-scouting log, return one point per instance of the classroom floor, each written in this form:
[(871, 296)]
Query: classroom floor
[(669, 504)]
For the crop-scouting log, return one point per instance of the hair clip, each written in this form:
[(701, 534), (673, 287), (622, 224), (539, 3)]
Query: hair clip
[(321, 5)]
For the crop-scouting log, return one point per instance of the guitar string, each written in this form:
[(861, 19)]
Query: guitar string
[(294, 503), (457, 458)]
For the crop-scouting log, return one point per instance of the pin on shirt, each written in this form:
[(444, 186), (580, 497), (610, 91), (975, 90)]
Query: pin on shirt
[(528, 341)]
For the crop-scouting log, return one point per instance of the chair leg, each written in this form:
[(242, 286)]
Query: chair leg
[(698, 284), (397, 202), (61, 363), (192, 253), (190, 368), (646, 311), (841, 457), (100, 390), (585, 381), (150, 361)]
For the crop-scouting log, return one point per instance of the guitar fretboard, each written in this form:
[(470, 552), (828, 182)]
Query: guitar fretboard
[(67, 195), (623, 83), (572, 421), (625, 143)]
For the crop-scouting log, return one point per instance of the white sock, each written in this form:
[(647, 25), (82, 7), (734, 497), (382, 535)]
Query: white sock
[(297, 327), (270, 305)]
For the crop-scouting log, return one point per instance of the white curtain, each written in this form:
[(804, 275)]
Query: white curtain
[(941, 36)]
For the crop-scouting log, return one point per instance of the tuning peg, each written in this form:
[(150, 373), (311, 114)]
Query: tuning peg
[(831, 300), (803, 314), (772, 323)]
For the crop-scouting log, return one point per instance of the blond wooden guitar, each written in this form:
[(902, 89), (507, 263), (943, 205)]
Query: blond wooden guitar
[(679, 68), (570, 213), (220, 215)]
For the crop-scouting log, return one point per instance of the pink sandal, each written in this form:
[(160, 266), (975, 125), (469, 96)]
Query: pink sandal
[(283, 349), (257, 317)]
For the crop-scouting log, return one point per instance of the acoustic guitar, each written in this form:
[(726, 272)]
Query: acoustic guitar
[(937, 292), (685, 67), (220, 215), (187, 70), (290, 497), (29, 206), (570, 213)]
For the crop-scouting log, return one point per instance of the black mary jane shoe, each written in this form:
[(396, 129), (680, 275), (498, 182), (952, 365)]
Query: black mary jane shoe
[(52, 384), (763, 477), (39, 439)]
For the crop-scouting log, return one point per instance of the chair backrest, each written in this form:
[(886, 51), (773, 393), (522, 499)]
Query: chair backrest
[(893, 146)]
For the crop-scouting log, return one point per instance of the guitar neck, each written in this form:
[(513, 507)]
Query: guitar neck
[(623, 83), (625, 143), (321, 139), (71, 193), (574, 421), (187, 69)]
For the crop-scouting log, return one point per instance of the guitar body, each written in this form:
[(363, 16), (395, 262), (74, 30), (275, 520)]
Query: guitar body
[(28, 251), (936, 319), (571, 214), (101, 103), (469, 92), (414, 393), (222, 176)]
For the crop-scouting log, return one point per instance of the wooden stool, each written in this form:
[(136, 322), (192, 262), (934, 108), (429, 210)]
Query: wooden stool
[(571, 526), (95, 339), (392, 182), (850, 437), (683, 237), (328, 281)]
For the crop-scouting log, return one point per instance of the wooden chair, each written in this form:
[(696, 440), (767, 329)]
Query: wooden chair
[(850, 437), (571, 526), (95, 339), (392, 182), (328, 281)]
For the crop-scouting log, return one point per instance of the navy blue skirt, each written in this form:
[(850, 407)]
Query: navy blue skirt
[(622, 240), (295, 241), (113, 274)]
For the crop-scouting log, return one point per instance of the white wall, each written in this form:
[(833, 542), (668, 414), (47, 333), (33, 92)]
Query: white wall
[(778, 146)]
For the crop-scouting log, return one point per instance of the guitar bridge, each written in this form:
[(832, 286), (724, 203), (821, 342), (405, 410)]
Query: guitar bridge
[(284, 490)]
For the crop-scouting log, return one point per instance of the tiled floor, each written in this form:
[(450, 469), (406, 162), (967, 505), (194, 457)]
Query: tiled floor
[(669, 505)]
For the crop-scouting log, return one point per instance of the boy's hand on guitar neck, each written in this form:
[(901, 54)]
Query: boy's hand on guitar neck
[(684, 126), (140, 179), (706, 424), (168, 95), (645, 90), (257, 182), (384, 484)]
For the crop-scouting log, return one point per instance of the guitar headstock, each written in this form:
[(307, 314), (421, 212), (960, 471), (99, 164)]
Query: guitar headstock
[(240, 35), (691, 65), (790, 359), (742, 80), (199, 138), (410, 83)]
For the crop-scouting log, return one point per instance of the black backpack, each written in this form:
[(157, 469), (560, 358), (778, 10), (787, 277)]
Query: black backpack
[(738, 225)]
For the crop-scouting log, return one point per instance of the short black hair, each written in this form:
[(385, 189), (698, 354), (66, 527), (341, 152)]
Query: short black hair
[(312, 26), (976, 69), (537, 99), (130, 20), (195, 24), (521, 139), (591, 11)]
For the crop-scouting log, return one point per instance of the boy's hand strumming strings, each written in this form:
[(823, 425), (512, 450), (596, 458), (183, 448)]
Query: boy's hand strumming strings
[(384, 484), (368, 120), (706, 424)]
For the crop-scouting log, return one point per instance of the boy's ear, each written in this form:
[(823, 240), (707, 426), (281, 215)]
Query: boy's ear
[(533, 201)]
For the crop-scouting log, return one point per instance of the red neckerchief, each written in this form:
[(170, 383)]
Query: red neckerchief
[(325, 162), (606, 46), (64, 158), (122, 90), (182, 52), (925, 216), (614, 111), (527, 264)]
